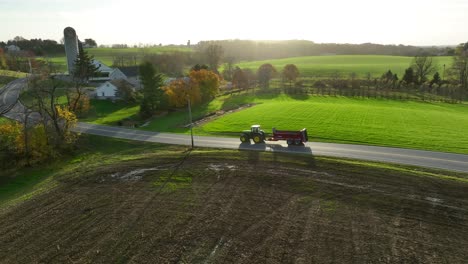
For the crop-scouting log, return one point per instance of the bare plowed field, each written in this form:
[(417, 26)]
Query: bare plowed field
[(240, 208)]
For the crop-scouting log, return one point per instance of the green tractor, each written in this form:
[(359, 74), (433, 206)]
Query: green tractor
[(255, 133)]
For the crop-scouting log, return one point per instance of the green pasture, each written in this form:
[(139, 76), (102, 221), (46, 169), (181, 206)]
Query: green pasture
[(407, 124), (106, 112), (344, 65)]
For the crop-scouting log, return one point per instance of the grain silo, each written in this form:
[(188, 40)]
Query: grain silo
[(71, 47)]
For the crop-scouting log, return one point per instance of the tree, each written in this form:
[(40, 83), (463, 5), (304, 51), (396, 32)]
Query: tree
[(240, 79), (125, 91), (207, 81), (229, 68), (213, 54), (290, 73), (251, 77), (265, 72), (388, 76), (178, 91), (422, 66), (198, 67), (154, 98), (460, 66), (3, 62), (90, 42), (84, 69), (408, 77), (54, 120), (43, 90), (171, 64), (436, 79), (80, 102)]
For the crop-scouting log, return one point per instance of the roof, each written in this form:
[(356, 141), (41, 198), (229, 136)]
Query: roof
[(119, 82), (102, 67), (130, 71)]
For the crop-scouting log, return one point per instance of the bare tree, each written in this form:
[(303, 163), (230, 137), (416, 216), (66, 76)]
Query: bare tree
[(423, 66), (213, 55), (460, 67)]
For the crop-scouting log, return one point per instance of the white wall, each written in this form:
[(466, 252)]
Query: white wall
[(107, 89)]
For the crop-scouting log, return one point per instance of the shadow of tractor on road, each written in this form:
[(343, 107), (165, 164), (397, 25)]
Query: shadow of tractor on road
[(280, 153)]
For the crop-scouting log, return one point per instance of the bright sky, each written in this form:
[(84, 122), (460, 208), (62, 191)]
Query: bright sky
[(409, 22)]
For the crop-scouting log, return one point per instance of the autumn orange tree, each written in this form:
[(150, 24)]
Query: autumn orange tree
[(208, 83), (178, 91), (23, 146), (10, 141)]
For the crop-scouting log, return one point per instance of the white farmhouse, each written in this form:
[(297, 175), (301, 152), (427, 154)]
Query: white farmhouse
[(106, 90), (109, 89)]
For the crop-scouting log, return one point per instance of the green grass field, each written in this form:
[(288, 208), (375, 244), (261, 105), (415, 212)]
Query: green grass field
[(407, 124), (326, 66), (106, 112), (431, 126)]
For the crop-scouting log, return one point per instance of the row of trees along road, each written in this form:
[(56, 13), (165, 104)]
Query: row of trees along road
[(421, 80)]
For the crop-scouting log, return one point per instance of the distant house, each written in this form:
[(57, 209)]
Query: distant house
[(12, 48), (109, 89)]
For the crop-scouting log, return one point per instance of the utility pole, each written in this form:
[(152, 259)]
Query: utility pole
[(443, 74), (190, 117)]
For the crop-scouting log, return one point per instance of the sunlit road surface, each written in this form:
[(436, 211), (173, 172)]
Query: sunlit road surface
[(438, 160)]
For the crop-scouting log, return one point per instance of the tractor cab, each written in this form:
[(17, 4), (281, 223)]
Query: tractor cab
[(255, 129)]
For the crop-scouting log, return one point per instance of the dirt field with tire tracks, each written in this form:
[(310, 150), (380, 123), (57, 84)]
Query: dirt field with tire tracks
[(240, 207)]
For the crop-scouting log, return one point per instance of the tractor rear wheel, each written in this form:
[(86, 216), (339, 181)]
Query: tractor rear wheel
[(244, 138), (258, 138)]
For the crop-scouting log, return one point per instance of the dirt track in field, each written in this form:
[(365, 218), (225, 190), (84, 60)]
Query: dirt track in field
[(245, 210)]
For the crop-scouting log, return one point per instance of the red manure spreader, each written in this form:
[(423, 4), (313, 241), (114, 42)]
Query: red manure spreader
[(259, 136)]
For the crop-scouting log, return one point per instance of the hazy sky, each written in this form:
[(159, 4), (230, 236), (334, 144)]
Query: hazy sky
[(409, 22)]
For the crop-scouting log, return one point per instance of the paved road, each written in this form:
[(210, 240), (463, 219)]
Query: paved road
[(9, 94), (439, 160), (9, 102)]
